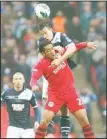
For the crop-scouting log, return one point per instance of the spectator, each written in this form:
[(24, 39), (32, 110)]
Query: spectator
[(59, 22), (101, 13), (32, 58), (86, 17), (92, 35), (6, 84), (74, 29), (101, 78), (25, 69), (88, 97), (101, 50)]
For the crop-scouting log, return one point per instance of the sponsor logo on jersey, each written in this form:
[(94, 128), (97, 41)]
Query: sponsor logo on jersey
[(18, 107), (61, 66), (50, 104)]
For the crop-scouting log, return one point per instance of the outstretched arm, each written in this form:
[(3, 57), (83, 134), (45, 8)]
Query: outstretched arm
[(70, 50)]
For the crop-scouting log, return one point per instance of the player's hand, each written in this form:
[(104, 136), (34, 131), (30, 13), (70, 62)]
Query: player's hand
[(56, 62), (92, 45), (59, 49), (36, 125), (35, 88)]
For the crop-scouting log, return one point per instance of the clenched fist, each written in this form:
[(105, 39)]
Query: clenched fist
[(35, 88)]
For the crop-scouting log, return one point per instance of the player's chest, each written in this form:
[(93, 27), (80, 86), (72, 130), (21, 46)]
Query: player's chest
[(57, 39), (16, 103), (18, 97), (49, 70)]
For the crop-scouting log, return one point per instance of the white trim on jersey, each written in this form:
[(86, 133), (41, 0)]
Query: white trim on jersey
[(35, 106), (56, 38)]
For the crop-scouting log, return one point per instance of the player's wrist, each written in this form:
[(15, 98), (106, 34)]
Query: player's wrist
[(81, 45)]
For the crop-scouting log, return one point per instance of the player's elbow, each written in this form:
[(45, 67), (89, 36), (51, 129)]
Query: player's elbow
[(71, 48)]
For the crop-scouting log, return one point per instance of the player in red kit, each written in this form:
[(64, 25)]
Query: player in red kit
[(61, 89)]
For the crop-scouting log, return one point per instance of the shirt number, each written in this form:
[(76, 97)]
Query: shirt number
[(79, 101)]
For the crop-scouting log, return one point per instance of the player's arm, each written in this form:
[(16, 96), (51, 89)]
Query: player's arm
[(71, 48), (36, 74), (37, 111)]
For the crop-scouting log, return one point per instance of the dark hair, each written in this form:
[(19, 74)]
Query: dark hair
[(45, 23), (42, 44)]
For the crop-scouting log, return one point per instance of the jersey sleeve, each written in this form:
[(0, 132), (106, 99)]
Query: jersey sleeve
[(65, 40), (2, 97), (36, 74), (33, 101)]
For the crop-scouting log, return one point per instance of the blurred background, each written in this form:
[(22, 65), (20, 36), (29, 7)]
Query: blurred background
[(81, 21)]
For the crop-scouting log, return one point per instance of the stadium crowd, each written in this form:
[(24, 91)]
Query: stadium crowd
[(81, 21)]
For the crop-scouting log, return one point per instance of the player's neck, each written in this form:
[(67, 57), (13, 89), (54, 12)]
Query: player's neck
[(52, 37), (18, 89)]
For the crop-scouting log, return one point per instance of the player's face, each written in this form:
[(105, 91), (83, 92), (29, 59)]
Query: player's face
[(47, 33), (49, 51), (18, 81)]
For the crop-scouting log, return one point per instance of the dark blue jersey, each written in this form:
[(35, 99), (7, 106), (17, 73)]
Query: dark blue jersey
[(63, 40), (18, 107)]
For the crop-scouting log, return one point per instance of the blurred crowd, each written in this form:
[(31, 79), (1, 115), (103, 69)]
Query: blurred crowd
[(81, 21)]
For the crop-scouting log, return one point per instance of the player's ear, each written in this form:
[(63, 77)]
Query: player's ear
[(24, 80), (12, 81)]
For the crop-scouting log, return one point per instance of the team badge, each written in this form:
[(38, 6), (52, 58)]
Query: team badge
[(50, 104)]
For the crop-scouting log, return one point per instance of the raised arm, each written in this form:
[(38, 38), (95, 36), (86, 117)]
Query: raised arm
[(71, 49)]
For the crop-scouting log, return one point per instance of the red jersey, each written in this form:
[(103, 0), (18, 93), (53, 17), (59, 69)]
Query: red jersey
[(59, 78)]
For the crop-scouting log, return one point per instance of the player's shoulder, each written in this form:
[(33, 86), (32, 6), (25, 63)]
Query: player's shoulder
[(42, 61), (61, 35), (64, 35), (28, 92), (9, 90)]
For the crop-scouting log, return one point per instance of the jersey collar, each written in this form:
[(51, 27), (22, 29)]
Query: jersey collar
[(53, 36)]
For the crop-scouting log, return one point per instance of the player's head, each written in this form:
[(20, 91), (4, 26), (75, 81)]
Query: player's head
[(18, 80), (47, 49), (45, 30)]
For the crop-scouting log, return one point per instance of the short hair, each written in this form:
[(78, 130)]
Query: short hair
[(18, 73), (42, 44), (46, 23)]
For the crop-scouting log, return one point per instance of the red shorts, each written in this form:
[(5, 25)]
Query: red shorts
[(69, 97)]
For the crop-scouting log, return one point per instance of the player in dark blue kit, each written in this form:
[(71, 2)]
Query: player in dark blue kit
[(58, 39), (18, 100)]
